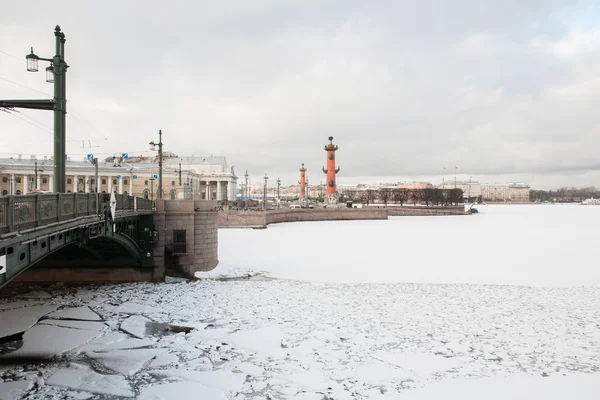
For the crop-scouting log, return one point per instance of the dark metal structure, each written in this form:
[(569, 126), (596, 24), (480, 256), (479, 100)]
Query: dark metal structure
[(56, 73), (35, 226)]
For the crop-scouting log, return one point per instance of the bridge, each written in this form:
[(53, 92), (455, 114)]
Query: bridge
[(33, 227)]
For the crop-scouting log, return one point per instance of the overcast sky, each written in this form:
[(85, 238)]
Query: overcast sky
[(506, 90)]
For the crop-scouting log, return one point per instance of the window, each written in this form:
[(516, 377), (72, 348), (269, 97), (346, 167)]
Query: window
[(179, 242), (31, 179), (146, 183), (114, 181), (104, 181), (125, 193), (4, 192), (18, 180), (18, 192), (92, 181), (4, 179), (125, 181), (145, 194), (69, 181), (172, 195), (44, 180), (172, 183), (81, 181)]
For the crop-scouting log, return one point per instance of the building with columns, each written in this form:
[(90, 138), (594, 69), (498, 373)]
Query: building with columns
[(211, 181)]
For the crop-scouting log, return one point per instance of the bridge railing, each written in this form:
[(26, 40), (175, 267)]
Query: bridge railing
[(29, 211), (145, 204)]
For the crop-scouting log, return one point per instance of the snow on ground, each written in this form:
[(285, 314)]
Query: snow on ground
[(304, 339), (512, 245)]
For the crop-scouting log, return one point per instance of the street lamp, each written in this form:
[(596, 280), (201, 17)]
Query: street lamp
[(160, 160), (266, 178), (246, 189), (56, 73), (455, 168), (278, 186), (443, 179)]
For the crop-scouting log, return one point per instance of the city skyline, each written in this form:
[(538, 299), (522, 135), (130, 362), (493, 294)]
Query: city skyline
[(504, 93)]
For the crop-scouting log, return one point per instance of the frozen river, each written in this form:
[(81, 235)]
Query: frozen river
[(499, 305), (512, 245)]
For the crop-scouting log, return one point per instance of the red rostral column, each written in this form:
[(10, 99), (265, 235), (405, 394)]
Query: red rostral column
[(331, 171), (302, 183)]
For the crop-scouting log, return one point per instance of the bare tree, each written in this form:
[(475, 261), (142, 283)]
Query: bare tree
[(350, 194), (416, 195), (385, 195), (400, 195), (368, 196)]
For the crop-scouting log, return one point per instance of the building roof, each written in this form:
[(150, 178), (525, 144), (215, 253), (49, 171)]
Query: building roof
[(197, 160), (70, 164)]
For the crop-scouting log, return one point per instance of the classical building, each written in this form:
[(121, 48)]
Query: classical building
[(208, 176), (506, 192), (470, 189)]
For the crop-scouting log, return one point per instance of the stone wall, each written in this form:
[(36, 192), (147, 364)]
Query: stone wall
[(256, 219), (395, 211), (259, 219), (324, 214), (85, 275), (199, 221)]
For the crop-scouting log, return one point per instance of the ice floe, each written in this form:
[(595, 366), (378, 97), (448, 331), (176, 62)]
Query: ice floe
[(18, 320), (82, 313), (14, 390), (126, 362), (135, 326), (81, 377), (181, 390)]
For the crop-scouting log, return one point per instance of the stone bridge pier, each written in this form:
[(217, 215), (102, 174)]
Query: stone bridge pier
[(187, 236)]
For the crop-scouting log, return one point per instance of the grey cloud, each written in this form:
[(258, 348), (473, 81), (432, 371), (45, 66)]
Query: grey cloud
[(496, 87)]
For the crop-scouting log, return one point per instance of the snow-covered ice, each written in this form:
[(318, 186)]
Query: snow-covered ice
[(14, 390), (81, 377), (512, 245), (126, 362), (18, 320), (89, 325), (519, 387), (44, 341), (181, 390), (115, 341), (82, 313), (375, 336), (135, 326)]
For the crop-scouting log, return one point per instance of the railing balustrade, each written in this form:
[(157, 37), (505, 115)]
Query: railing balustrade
[(29, 211)]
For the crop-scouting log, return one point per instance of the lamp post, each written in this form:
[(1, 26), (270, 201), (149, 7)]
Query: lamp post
[(278, 186), (443, 179), (55, 73), (160, 160), (37, 171), (246, 189), (266, 178), (307, 193), (152, 188), (469, 195), (455, 168)]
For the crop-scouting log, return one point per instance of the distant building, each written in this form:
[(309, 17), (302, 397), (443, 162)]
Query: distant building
[(207, 176), (514, 192), (470, 189)]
